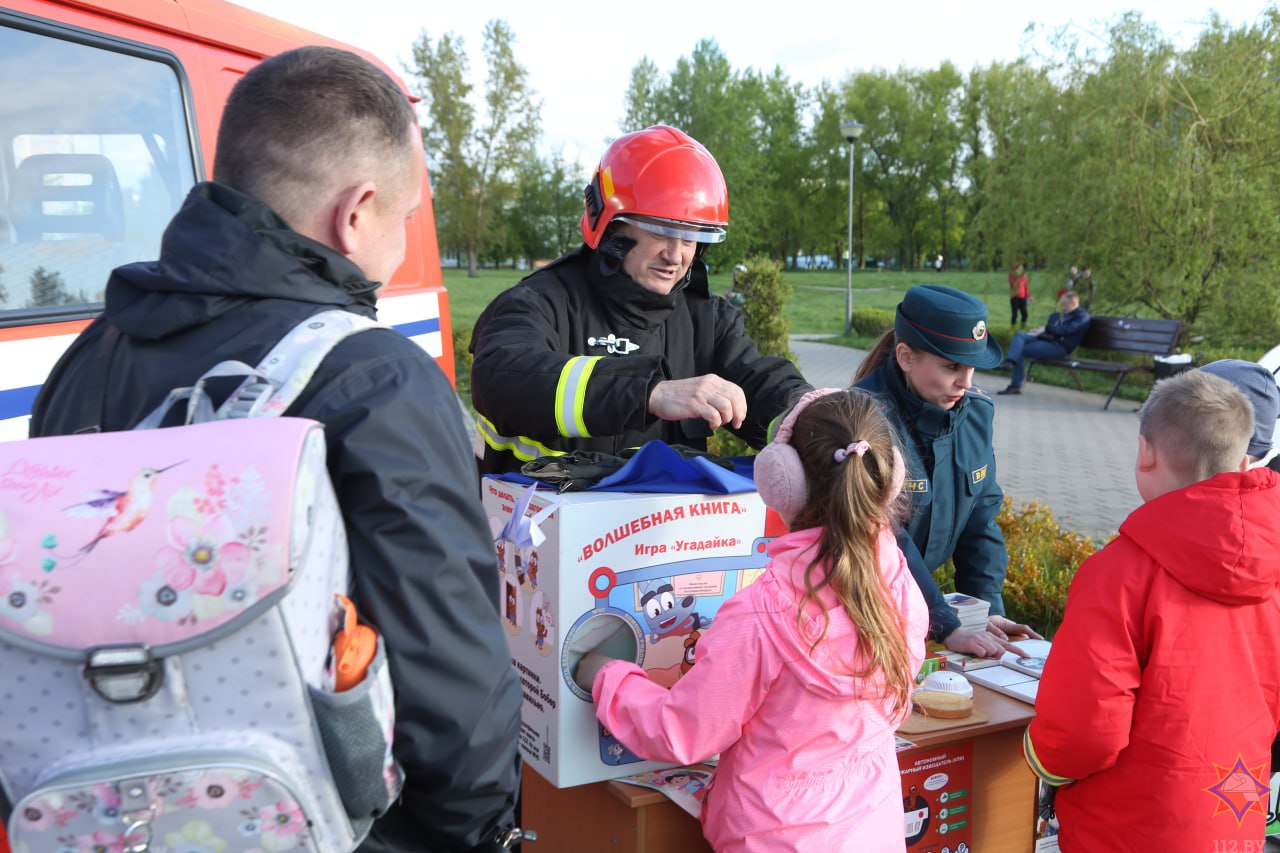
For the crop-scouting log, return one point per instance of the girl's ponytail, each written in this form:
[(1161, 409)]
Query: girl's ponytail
[(853, 472)]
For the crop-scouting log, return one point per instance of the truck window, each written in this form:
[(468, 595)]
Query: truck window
[(95, 158)]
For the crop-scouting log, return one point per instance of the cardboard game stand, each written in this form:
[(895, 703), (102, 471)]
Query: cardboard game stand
[(638, 574)]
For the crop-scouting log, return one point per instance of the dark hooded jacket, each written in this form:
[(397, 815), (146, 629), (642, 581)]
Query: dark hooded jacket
[(1067, 330), (232, 279), (566, 360), (1161, 695)]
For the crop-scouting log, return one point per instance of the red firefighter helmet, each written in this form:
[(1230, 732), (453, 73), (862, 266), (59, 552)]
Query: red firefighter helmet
[(662, 180)]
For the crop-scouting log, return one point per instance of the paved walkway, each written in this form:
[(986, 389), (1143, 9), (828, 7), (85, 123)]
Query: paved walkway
[(1053, 445)]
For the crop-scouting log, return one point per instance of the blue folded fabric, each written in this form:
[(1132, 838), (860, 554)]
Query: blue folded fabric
[(657, 468)]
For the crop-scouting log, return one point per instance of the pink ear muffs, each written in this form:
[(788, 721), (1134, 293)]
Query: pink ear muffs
[(778, 472), (780, 476), (899, 474)]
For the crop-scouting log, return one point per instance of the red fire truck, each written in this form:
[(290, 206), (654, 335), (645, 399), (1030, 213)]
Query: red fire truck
[(132, 90)]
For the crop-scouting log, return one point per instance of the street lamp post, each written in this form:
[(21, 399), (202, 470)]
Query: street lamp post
[(851, 129)]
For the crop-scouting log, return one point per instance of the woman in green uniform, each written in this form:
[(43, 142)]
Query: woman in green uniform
[(923, 371)]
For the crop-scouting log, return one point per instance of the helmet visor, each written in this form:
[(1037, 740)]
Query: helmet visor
[(676, 229)]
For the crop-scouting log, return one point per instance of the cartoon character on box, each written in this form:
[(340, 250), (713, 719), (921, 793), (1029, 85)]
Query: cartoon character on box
[(543, 625), (533, 569), (659, 602), (664, 614), (512, 601), (690, 643), (612, 751), (501, 546), (519, 566)]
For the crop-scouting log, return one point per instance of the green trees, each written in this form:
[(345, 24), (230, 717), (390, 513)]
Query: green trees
[(48, 288), (909, 151), (753, 124), (474, 155), (1191, 204), (1013, 130), (1150, 163), (783, 157), (541, 220)]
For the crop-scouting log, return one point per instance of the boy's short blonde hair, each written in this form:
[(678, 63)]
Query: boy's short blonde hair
[(1199, 422)]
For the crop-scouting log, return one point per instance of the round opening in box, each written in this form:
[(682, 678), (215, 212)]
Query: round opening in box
[(611, 634)]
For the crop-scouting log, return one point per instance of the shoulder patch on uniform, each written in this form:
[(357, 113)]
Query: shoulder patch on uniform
[(979, 394), (919, 486), (977, 475)]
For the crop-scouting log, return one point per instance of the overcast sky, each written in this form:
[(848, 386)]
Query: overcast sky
[(579, 56)]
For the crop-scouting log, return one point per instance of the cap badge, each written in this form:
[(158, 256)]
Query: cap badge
[(980, 330)]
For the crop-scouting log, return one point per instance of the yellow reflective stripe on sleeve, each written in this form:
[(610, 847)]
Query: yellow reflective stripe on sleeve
[(521, 447), (570, 393), (773, 428), (1033, 761)]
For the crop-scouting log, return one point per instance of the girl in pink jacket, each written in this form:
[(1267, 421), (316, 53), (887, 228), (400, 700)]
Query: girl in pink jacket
[(803, 677)]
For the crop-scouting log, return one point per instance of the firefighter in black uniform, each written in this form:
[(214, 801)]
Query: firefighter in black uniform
[(621, 342)]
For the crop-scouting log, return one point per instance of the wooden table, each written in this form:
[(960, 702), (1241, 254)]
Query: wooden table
[(1004, 788), (613, 816), (605, 817)]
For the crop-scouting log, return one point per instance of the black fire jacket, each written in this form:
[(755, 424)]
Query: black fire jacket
[(566, 360)]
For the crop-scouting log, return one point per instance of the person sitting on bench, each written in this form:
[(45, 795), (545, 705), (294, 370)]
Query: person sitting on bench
[(1056, 339)]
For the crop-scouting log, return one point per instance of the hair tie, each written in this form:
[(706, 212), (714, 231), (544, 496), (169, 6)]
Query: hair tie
[(858, 447)]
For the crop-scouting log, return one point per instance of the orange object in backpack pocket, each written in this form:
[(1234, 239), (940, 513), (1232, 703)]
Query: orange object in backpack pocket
[(354, 647)]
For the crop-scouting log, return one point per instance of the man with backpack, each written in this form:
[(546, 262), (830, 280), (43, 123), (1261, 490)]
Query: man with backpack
[(319, 164)]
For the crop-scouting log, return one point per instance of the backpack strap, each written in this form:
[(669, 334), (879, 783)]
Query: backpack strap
[(286, 370), (273, 386)]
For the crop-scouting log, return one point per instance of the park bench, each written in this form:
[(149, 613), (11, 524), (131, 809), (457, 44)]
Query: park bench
[(1136, 335)]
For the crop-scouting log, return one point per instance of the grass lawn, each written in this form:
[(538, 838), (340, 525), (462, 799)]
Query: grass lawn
[(817, 306)]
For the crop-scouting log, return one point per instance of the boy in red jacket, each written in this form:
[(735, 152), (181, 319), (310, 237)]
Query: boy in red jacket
[(1161, 695)]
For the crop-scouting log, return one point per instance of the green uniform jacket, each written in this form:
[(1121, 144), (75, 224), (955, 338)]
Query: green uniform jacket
[(951, 476)]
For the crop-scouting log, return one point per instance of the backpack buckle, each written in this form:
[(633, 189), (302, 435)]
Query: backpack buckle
[(124, 674), (138, 809), (246, 400)]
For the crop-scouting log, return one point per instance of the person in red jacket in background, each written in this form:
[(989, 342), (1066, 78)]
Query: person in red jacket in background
[(1019, 294), (1161, 695)]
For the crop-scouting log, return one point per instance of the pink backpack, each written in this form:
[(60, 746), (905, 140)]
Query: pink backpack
[(167, 614)]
